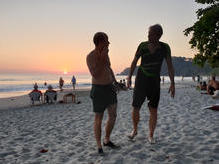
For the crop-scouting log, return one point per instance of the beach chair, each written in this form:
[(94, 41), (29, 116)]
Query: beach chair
[(35, 96), (50, 97), (71, 95)]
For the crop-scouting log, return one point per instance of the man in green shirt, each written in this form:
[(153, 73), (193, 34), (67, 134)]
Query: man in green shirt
[(147, 82)]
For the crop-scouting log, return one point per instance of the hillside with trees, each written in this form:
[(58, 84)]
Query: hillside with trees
[(183, 67)]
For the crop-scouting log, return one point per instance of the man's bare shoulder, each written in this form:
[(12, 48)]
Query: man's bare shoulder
[(90, 55)]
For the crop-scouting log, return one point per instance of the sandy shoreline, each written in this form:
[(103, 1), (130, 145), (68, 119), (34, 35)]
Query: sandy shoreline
[(185, 132), (24, 100)]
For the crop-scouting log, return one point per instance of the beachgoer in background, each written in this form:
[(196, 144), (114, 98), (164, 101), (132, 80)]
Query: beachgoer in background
[(129, 83), (163, 79), (35, 90), (204, 86), (35, 86), (198, 78), (102, 92), (199, 86), (50, 95), (147, 82), (61, 83), (193, 78), (182, 78), (121, 85), (213, 85), (124, 82), (73, 81), (45, 84)]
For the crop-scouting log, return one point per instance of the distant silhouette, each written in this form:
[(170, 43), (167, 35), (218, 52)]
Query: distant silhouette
[(73, 81), (198, 78), (163, 79), (124, 82), (61, 83), (122, 85)]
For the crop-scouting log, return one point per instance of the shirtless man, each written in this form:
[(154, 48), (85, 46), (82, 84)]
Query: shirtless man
[(102, 92), (213, 85), (147, 82)]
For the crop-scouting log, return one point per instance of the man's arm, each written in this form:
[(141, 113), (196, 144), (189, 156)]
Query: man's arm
[(132, 69), (113, 75), (170, 69), (171, 75), (95, 67), (133, 65), (97, 61), (108, 63)]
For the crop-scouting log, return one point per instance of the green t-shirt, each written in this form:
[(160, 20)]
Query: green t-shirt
[(151, 63)]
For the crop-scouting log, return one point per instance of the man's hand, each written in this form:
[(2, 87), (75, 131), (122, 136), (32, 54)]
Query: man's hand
[(172, 90), (102, 56), (104, 51), (128, 82)]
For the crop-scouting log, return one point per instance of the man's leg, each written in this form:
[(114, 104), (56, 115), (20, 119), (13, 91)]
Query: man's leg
[(110, 122), (152, 121), (97, 128), (135, 120)]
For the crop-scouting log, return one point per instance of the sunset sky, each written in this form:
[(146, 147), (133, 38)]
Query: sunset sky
[(56, 35)]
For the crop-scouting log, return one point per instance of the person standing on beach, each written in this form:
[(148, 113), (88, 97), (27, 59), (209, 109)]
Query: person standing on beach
[(102, 93), (147, 82), (61, 83), (73, 81), (198, 78)]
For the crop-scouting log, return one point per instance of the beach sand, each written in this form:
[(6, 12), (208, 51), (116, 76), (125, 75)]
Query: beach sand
[(185, 132)]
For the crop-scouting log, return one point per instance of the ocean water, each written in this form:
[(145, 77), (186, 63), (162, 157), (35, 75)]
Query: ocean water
[(20, 84)]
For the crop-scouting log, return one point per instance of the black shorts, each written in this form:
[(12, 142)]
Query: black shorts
[(146, 87), (102, 96)]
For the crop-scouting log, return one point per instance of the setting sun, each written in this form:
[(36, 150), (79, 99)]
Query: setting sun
[(65, 72)]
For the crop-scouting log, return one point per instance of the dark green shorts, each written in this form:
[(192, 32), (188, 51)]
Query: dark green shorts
[(102, 96)]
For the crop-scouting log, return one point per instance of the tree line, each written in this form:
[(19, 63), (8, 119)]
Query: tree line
[(183, 67)]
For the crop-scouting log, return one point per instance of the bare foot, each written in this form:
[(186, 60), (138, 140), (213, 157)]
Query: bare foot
[(132, 135)]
